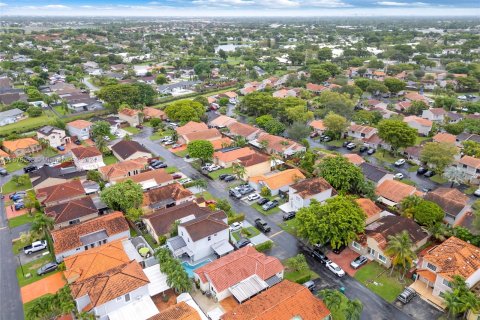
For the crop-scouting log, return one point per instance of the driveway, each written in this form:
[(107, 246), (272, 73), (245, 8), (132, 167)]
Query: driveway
[(50, 284), (344, 259)]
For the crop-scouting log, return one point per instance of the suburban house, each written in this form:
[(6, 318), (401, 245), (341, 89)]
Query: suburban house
[(190, 127), (277, 145), (80, 129), (371, 210), (361, 132), (60, 193), (89, 234), (129, 149), (21, 147), (415, 96), (316, 88), (466, 137), (50, 176), (238, 129), (55, 137), (413, 154), (10, 116), (318, 126), (354, 158), (454, 202), (221, 143), (392, 192), (470, 167), (152, 113), (440, 264), (285, 301), (443, 137), (132, 116), (242, 273), (373, 243), (159, 223), (423, 126), (221, 122), (202, 237), (121, 170), (72, 212), (276, 181), (87, 158), (375, 174), (255, 164), (166, 196), (209, 135), (232, 96), (434, 114), (151, 179), (226, 157), (301, 193)]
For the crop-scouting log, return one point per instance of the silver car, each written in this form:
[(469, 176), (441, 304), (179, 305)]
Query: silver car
[(358, 262)]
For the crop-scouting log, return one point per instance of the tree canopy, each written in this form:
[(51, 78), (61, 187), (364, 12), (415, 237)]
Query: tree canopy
[(123, 196), (438, 155), (184, 111), (201, 149), (397, 133), (340, 173)]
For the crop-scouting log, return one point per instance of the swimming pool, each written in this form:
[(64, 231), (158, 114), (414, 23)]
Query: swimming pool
[(190, 268)]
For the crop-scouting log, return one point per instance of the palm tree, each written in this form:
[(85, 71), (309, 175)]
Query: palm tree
[(399, 249), (178, 279), (408, 204), (353, 311), (101, 145), (42, 224), (273, 159), (440, 232), (240, 141), (239, 170), (200, 184), (332, 298), (460, 299)]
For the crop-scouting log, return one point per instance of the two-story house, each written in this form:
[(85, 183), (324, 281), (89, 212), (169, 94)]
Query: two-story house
[(435, 114), (80, 129), (423, 126), (301, 193), (166, 196), (318, 126), (21, 147), (362, 133), (55, 137), (454, 202), (255, 164), (121, 170), (132, 116), (228, 156), (87, 158), (470, 167), (276, 181)]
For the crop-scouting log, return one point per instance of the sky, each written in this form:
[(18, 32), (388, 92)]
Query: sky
[(246, 8)]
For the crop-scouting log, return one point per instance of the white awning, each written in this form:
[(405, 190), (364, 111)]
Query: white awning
[(247, 288), (158, 280), (222, 248), (141, 309)]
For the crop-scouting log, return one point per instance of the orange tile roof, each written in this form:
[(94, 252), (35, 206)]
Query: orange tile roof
[(354, 158), (470, 161), (237, 266), (279, 179), (80, 124), (63, 191), (174, 191), (317, 124), (121, 169), (414, 96), (454, 257), (222, 120), (221, 143), (253, 159), (190, 127), (3, 154), (160, 176), (111, 284), (94, 261), (284, 301), (232, 155), (361, 129), (179, 311), (310, 187), (445, 137), (154, 113), (13, 145), (242, 129), (427, 274), (129, 112), (277, 143), (368, 206), (209, 134), (315, 87), (394, 190), (423, 122), (86, 152), (230, 94)]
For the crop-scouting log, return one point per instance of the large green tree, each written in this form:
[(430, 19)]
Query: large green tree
[(201, 149), (184, 111), (100, 129), (123, 196), (335, 124), (339, 103), (340, 306), (460, 299), (341, 174), (394, 85), (397, 133), (438, 155)]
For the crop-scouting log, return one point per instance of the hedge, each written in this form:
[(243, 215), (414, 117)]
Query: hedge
[(305, 278), (267, 245), (236, 218)]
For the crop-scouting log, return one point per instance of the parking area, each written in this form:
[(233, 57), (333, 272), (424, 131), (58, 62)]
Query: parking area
[(12, 213), (50, 284), (344, 259)]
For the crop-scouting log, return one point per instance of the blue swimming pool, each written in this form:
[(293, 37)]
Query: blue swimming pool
[(190, 268)]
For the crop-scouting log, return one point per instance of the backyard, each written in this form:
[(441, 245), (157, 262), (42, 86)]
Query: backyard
[(109, 159)]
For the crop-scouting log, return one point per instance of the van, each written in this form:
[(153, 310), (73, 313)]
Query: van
[(310, 285)]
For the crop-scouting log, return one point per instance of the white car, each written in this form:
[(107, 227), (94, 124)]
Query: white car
[(399, 176), (400, 162), (236, 226), (185, 181), (334, 268), (462, 98), (213, 168), (253, 196), (477, 193), (53, 163)]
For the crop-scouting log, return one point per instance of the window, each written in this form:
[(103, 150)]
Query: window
[(464, 166), (382, 258), (446, 283), (356, 245), (431, 267), (371, 251), (119, 298), (209, 238), (127, 297)]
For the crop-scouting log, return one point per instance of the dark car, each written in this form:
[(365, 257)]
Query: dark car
[(422, 170), (3, 172), (19, 206), (29, 168), (358, 262), (289, 215), (77, 142), (262, 201), (61, 148), (46, 268), (18, 193), (28, 158), (262, 225), (229, 178), (161, 166), (371, 151), (320, 256), (139, 126), (339, 249), (429, 174), (362, 149), (176, 176), (155, 162), (314, 134), (241, 243), (223, 176)]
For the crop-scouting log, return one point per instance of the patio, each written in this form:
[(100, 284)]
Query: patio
[(426, 293)]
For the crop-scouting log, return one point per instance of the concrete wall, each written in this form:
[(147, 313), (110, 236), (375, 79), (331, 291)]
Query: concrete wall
[(102, 311)]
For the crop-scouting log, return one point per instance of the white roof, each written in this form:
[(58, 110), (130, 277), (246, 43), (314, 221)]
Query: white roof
[(222, 248), (141, 309), (158, 280), (247, 288)]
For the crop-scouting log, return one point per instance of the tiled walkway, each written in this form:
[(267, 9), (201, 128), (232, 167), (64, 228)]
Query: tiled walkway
[(50, 284)]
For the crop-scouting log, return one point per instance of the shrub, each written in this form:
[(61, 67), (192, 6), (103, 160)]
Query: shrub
[(265, 192), (303, 279), (262, 247), (236, 218)]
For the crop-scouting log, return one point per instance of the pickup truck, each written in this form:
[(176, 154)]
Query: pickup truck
[(35, 246), (262, 225)]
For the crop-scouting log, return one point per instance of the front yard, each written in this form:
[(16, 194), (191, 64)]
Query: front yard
[(11, 186), (215, 174), (300, 277), (248, 232), (376, 278), (132, 130), (271, 211), (110, 159), (290, 226), (20, 220), (15, 165), (31, 268)]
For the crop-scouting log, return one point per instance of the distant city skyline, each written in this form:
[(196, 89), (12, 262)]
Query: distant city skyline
[(240, 8)]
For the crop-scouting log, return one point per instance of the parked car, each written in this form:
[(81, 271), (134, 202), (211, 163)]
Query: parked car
[(477, 193), (177, 145), (371, 151), (30, 168), (362, 149), (246, 190), (345, 144), (429, 174), (407, 295), (339, 249), (213, 168), (46, 268), (253, 197), (241, 243), (61, 148), (139, 126), (358, 262), (229, 178), (335, 269), (166, 138), (223, 176), (28, 159), (351, 146), (310, 285), (314, 134), (289, 215), (399, 176), (400, 162), (18, 193), (270, 205), (168, 142), (327, 139), (3, 172), (262, 225), (421, 170), (318, 255), (262, 201), (77, 142), (17, 197), (155, 162), (185, 181), (235, 194), (176, 176), (236, 226), (53, 164), (19, 206), (35, 247)]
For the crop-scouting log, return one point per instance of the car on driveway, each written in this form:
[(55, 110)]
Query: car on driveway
[(326, 139), (61, 148), (270, 205), (262, 225), (289, 215), (185, 181), (46, 268), (29, 168), (429, 174), (407, 295), (351, 146), (236, 226), (223, 176), (19, 206), (213, 168), (318, 255), (253, 197), (371, 151), (362, 149), (400, 162), (335, 269), (399, 176), (358, 262), (20, 194), (262, 201), (28, 159), (241, 243), (3, 172), (229, 178), (234, 193), (246, 190), (477, 193), (421, 170)]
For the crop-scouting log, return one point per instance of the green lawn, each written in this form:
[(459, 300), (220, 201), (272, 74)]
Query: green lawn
[(182, 153), (385, 156), (409, 182), (215, 174), (110, 159), (132, 130), (31, 268), (267, 213), (20, 220), (61, 110), (300, 277), (27, 124), (336, 143), (378, 279), (246, 233), (18, 245), (171, 170), (148, 237), (49, 152), (290, 226), (413, 168), (234, 60), (439, 179), (156, 136), (15, 165), (11, 186), (470, 190), (419, 140)]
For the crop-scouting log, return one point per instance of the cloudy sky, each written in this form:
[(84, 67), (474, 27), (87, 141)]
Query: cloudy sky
[(240, 7)]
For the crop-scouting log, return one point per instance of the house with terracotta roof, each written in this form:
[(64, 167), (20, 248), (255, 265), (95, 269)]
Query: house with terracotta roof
[(180, 311), (284, 301), (255, 164), (89, 234), (211, 134), (444, 137), (318, 126), (354, 158), (190, 127), (316, 88), (470, 167), (415, 96), (152, 113), (129, 150), (359, 132), (454, 202), (423, 126), (221, 143), (301, 193), (276, 181), (277, 145), (373, 243), (232, 96), (21, 147), (60, 193), (438, 266), (238, 129), (242, 273), (221, 121), (166, 196), (87, 158), (151, 179), (283, 93), (392, 192), (226, 157), (72, 212), (132, 116), (55, 137), (80, 129), (122, 170), (370, 209), (202, 237), (435, 114)]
